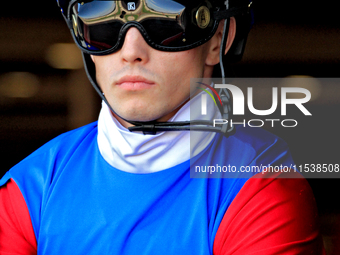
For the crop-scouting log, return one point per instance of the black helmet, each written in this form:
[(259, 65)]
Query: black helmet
[(99, 27)]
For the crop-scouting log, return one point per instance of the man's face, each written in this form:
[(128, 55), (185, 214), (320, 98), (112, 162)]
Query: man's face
[(144, 84)]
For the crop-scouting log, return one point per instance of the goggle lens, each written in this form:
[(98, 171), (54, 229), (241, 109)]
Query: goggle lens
[(99, 25)]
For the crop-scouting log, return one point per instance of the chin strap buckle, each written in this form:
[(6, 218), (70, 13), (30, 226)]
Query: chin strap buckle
[(149, 129)]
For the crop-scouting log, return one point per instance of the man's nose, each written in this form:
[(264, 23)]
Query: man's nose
[(135, 49)]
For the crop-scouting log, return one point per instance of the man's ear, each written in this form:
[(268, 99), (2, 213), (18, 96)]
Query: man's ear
[(213, 56)]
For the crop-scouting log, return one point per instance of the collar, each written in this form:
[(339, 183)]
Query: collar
[(135, 152)]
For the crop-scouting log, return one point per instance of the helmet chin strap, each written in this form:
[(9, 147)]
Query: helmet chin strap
[(152, 127), (224, 94)]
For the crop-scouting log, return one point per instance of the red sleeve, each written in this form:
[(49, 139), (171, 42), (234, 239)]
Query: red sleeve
[(271, 216), (16, 231)]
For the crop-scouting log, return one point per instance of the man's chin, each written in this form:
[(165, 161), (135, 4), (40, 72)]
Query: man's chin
[(126, 119), (142, 113)]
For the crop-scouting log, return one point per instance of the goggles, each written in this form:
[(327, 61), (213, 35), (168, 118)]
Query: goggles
[(99, 26)]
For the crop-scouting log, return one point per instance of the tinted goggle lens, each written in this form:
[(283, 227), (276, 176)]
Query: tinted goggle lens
[(99, 25)]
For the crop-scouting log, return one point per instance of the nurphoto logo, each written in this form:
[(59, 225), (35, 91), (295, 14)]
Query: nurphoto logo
[(279, 97)]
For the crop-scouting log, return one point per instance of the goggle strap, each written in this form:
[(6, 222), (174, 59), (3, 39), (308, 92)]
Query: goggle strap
[(219, 15)]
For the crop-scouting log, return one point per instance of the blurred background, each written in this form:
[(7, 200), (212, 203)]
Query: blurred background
[(44, 90)]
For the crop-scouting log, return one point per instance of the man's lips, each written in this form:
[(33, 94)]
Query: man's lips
[(134, 83)]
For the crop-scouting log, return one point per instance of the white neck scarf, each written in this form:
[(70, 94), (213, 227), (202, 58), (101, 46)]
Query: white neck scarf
[(134, 152)]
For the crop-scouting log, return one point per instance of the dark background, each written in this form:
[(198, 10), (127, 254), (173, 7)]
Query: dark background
[(40, 99)]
